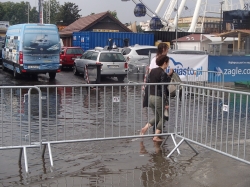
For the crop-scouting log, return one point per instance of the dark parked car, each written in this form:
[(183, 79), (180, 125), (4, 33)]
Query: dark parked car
[(68, 55)]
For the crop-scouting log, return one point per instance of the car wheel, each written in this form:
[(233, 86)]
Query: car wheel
[(15, 74), (75, 72), (121, 78), (52, 76)]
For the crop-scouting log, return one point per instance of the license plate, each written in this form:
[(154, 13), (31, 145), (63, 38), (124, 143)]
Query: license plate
[(113, 66), (33, 67)]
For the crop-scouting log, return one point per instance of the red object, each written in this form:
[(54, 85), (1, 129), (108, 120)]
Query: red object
[(126, 65), (20, 57), (68, 55)]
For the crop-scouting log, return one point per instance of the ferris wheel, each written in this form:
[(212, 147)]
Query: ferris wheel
[(201, 8)]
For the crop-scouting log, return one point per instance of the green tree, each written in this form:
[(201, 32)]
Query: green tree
[(17, 13), (114, 14), (69, 12), (2, 13)]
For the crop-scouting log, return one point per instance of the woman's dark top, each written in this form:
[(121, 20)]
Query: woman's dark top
[(158, 75)]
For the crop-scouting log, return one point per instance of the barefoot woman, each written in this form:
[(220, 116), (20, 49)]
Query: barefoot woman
[(158, 75)]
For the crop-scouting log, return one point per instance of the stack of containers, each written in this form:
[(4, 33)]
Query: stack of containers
[(90, 40)]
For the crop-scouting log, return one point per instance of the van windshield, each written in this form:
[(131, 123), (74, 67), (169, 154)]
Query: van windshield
[(41, 40)]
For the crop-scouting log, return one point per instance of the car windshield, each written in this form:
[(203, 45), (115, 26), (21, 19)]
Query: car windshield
[(112, 57), (74, 51)]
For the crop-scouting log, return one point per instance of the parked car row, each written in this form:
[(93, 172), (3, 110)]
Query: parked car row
[(114, 62)]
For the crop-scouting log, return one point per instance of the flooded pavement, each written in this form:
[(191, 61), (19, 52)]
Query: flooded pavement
[(127, 162)]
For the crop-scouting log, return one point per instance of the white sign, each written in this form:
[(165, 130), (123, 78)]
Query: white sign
[(188, 66), (225, 108), (4, 24), (116, 99)]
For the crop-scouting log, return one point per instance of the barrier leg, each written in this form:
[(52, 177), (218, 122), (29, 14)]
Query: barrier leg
[(164, 141), (25, 159), (20, 155), (172, 136), (43, 152), (176, 147), (191, 146), (50, 155)]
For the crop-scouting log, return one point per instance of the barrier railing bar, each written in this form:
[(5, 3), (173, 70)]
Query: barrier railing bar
[(233, 123), (20, 116), (64, 101), (2, 96), (194, 109), (217, 116), (112, 110), (11, 116), (48, 123), (239, 127), (56, 115), (246, 122), (96, 109), (134, 105), (228, 99), (212, 119), (73, 109), (120, 110), (104, 107), (222, 120)]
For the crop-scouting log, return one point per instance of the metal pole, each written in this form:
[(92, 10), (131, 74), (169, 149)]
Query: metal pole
[(176, 29), (221, 3), (28, 12)]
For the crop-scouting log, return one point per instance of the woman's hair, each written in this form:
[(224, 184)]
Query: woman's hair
[(161, 59), (161, 47)]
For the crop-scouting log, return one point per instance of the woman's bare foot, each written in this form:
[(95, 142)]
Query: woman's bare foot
[(157, 139), (144, 129)]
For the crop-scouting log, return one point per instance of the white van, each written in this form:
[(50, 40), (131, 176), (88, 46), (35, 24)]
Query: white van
[(32, 49)]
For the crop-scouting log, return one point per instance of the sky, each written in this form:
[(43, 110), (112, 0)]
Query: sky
[(125, 10)]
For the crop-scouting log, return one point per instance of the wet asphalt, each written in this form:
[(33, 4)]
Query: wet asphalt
[(124, 163)]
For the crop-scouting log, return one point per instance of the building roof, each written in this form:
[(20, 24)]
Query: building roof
[(234, 33), (84, 23)]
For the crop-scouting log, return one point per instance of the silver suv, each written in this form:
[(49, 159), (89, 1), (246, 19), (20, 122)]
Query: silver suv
[(137, 52), (113, 63)]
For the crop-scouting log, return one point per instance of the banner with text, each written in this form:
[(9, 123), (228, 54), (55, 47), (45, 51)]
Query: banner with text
[(235, 68), (188, 66)]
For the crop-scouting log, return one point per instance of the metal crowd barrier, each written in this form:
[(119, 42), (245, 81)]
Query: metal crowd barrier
[(211, 117), (20, 127), (96, 112), (217, 123), (211, 79)]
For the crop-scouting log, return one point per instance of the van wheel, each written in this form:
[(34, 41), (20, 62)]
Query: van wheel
[(75, 72), (52, 76), (4, 68), (121, 78), (15, 74)]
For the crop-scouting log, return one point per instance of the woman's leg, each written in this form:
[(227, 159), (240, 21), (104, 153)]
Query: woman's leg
[(161, 120), (153, 121)]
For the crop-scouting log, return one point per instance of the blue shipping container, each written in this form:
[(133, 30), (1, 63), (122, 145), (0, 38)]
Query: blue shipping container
[(90, 40)]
